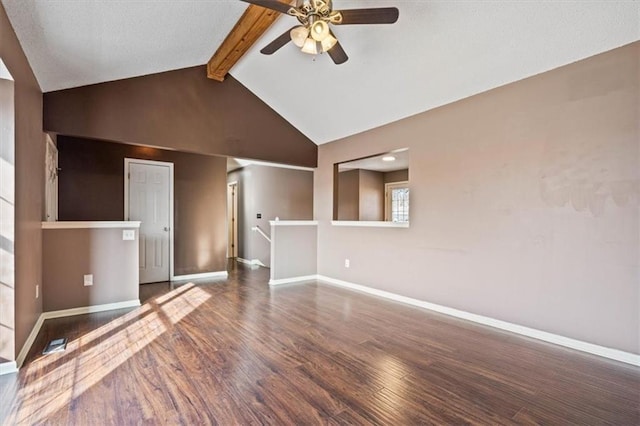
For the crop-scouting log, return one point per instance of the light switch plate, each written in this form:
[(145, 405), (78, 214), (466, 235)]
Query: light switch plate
[(128, 234), (88, 280)]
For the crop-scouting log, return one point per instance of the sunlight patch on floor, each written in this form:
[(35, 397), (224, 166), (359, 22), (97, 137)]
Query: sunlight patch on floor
[(90, 358)]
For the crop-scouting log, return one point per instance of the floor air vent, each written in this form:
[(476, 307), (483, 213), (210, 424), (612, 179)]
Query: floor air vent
[(56, 345)]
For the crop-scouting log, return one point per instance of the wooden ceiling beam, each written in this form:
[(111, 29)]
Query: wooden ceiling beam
[(249, 28)]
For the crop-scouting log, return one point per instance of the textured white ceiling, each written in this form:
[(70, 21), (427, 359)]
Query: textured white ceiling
[(73, 43), (438, 52)]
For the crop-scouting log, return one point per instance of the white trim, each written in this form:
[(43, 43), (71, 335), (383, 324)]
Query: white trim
[(370, 223), (232, 228), (68, 313), (615, 354), (244, 163), (261, 232), (387, 196), (203, 275), (8, 367), (51, 186), (134, 303), (293, 222), (253, 262), (86, 225), (128, 161), (4, 72), (281, 281), (29, 342)]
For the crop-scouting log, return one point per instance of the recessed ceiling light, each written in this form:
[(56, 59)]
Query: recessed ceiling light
[(389, 158)]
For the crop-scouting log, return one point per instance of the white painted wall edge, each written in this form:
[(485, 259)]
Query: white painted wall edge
[(254, 262), (84, 225), (29, 342), (68, 313), (200, 276), (370, 224), (293, 222), (8, 367), (615, 354), (293, 280)]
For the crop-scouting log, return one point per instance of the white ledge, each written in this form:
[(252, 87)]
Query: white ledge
[(293, 222), (370, 223), (86, 225)]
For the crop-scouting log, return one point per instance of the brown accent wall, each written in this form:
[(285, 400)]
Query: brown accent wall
[(91, 187), (272, 192), (349, 195), (371, 195), (29, 182), (69, 254), (396, 176), (179, 110), (361, 195), (524, 204)]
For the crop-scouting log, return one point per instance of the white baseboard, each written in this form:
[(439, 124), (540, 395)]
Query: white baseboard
[(579, 345), (8, 367), (293, 280), (253, 262), (91, 309), (30, 339), (201, 276), (68, 313)]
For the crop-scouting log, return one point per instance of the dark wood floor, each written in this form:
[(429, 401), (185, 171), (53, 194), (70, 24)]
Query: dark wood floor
[(237, 352)]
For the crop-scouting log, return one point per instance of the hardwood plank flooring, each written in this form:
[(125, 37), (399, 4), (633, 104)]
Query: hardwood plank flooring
[(234, 351)]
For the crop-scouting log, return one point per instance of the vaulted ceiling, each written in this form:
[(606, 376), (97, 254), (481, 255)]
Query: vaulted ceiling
[(437, 52)]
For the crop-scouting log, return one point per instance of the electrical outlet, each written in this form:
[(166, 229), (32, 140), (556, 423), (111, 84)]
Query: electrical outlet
[(37, 291), (128, 234), (347, 263), (88, 280)]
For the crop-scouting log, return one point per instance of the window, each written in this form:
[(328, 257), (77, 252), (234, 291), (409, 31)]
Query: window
[(397, 202)]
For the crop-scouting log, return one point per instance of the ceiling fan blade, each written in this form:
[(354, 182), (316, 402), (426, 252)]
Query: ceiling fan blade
[(338, 54), (271, 4), (383, 15), (276, 44)]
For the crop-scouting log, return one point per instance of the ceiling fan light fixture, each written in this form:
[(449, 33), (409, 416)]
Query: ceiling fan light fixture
[(319, 30), (328, 42), (310, 46), (299, 35)]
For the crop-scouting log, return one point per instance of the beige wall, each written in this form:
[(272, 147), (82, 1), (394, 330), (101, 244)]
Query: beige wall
[(294, 251), (272, 192), (69, 254), (524, 204), (29, 185)]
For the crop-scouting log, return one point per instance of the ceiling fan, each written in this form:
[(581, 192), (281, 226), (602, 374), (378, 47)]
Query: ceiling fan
[(314, 36)]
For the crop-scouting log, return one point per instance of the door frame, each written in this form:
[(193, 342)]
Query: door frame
[(51, 188), (387, 198), (232, 253), (128, 161)]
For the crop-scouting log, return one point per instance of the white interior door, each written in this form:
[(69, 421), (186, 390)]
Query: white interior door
[(149, 202)]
